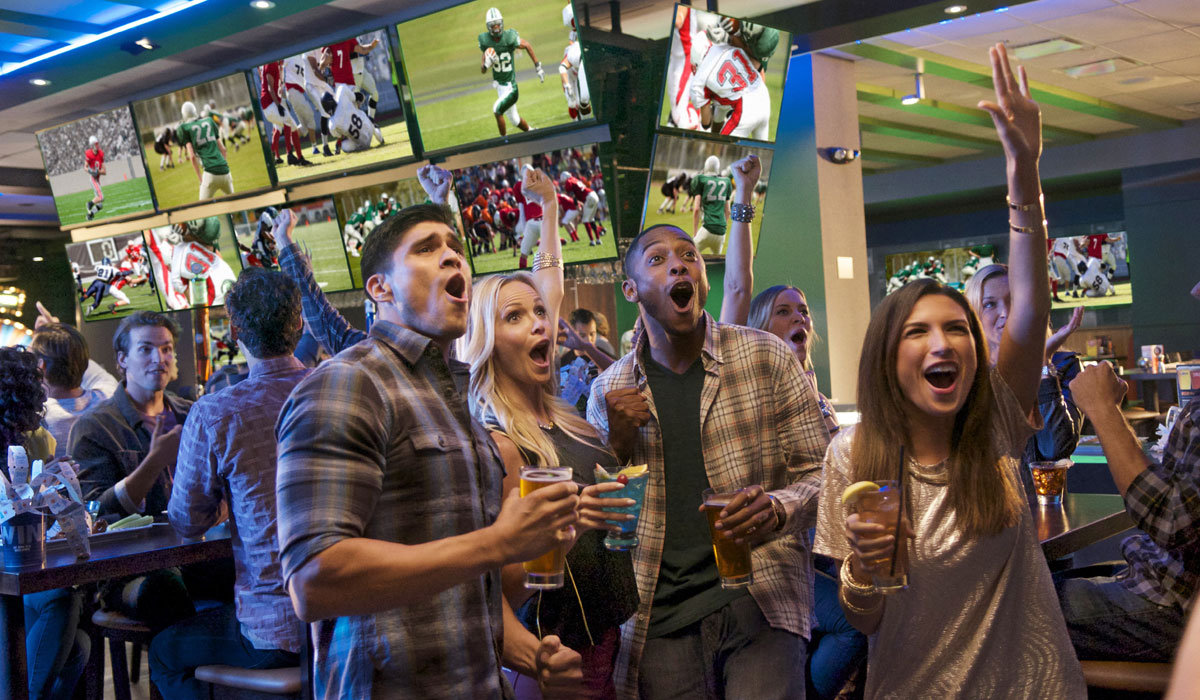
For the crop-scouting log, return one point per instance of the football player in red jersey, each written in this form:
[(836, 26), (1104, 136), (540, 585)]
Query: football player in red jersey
[(271, 100), (589, 204), (93, 162), (341, 66)]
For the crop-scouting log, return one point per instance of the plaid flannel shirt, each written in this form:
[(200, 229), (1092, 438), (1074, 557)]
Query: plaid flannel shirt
[(378, 443), (224, 458), (1164, 500), (760, 424)]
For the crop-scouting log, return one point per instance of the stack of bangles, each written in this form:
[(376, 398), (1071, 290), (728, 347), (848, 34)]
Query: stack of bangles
[(1013, 206), (863, 591), (742, 213), (541, 261)]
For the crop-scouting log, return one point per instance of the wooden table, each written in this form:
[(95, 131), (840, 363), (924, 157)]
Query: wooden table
[(1083, 519), (1148, 385), (157, 547)]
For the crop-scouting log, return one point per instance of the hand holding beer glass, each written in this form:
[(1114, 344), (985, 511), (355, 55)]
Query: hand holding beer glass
[(734, 519), (874, 517), (545, 572)]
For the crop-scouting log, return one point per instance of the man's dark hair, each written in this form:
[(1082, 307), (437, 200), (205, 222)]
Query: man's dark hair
[(638, 243), (264, 306), (386, 238), (581, 316), (141, 319), (64, 352)]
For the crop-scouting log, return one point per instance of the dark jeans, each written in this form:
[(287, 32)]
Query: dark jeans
[(55, 649), (1106, 621), (733, 654), (211, 637), (837, 648)]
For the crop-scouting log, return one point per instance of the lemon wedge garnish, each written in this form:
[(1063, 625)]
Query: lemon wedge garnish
[(856, 490), (631, 472)]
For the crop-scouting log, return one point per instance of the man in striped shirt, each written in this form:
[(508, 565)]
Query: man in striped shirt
[(726, 407)]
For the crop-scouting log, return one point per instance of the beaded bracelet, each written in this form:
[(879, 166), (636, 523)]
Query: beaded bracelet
[(542, 261), (742, 213)]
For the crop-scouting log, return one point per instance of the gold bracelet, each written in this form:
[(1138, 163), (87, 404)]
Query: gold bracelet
[(541, 261), (857, 610), (1029, 229), (850, 584), (1024, 207)]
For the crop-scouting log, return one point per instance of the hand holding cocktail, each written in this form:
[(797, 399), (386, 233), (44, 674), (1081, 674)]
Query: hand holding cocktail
[(594, 502), (624, 504), (871, 526)]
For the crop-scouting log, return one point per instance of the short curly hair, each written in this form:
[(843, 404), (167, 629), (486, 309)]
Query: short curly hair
[(264, 307), (22, 395)]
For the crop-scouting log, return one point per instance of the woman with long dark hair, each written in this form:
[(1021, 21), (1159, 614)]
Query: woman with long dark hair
[(979, 617)]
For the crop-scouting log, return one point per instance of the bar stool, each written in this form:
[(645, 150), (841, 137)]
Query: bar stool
[(1130, 676), (277, 682), (118, 629)]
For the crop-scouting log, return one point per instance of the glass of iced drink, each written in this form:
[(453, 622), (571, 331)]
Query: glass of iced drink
[(883, 505), (545, 572), (622, 535), (1050, 480), (733, 559)]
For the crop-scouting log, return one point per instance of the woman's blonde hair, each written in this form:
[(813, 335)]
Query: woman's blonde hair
[(760, 315), (984, 493), (974, 290), (489, 404)]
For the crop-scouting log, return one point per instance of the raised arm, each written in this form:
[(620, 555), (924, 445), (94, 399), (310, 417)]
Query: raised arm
[(1018, 123), (548, 278), (739, 255)]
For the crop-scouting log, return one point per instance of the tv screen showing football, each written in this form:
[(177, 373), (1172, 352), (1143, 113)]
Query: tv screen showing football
[(202, 143), (95, 169), (493, 69), (334, 108), (724, 75)]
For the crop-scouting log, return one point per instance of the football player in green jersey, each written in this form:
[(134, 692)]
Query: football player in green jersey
[(499, 47), (711, 193), (204, 148)]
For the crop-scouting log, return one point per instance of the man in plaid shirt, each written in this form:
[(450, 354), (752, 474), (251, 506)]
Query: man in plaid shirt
[(726, 407), (1138, 615)]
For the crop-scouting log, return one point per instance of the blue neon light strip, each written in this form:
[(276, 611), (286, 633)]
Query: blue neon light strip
[(92, 38)]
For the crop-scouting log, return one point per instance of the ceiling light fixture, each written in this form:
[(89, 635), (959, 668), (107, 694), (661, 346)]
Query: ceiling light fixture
[(1049, 47), (262, 4), (93, 38), (919, 94), (955, 9), (145, 43), (38, 258), (39, 81)]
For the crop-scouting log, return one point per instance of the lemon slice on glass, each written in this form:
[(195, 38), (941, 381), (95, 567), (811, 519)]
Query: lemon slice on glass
[(631, 472), (856, 490)]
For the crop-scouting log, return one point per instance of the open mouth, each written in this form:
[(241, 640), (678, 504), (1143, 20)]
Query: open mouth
[(681, 295), (540, 353), (942, 375), (798, 337), (456, 287)]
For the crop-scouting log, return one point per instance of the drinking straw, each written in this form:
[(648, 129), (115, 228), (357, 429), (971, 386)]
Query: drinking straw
[(900, 511)]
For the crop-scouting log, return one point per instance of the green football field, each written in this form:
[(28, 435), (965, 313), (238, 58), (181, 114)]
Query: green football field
[(178, 186), (453, 100), (1124, 295), (573, 252), (774, 79), (141, 298), (396, 145), (323, 241), (120, 198), (681, 218)]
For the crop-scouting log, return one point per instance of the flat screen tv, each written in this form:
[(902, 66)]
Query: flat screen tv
[(317, 233), (338, 105), (361, 210), (473, 70), (690, 186), (194, 263), (112, 276), (724, 75), (202, 143), (1090, 270), (95, 169), (503, 229)]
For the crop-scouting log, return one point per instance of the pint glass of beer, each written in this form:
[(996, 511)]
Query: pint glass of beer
[(733, 559), (545, 572)]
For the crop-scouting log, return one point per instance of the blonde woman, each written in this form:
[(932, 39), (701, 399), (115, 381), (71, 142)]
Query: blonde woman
[(510, 347), (979, 618)]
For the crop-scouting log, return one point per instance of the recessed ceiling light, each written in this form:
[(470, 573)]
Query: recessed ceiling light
[(262, 4), (955, 9), (1043, 48), (145, 43), (39, 81), (1108, 65), (38, 258)]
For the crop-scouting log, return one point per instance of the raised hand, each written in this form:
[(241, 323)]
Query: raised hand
[(538, 184), (628, 411), (44, 316), (1058, 337), (1097, 387), (746, 173), (1017, 117), (285, 223), (436, 182)]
